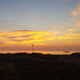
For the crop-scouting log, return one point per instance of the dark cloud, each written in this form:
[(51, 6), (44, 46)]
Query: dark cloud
[(21, 40), (25, 36), (15, 37), (21, 30), (12, 37)]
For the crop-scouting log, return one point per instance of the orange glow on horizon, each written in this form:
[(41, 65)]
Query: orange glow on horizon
[(43, 38)]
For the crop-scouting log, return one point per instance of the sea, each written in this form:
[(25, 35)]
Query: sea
[(43, 52)]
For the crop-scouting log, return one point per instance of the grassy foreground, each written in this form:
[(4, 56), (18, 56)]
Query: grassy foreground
[(37, 66)]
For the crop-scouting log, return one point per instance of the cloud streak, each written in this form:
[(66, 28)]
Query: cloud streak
[(76, 16), (30, 37), (76, 12)]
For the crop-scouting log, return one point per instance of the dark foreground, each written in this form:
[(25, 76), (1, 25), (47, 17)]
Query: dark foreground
[(36, 66)]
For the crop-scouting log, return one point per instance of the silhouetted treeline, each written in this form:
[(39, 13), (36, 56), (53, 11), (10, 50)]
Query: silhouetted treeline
[(37, 66), (76, 54)]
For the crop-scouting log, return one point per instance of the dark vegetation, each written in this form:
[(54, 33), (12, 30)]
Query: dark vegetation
[(37, 66), (76, 54)]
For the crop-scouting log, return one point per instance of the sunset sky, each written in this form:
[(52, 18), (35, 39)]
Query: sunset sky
[(51, 25)]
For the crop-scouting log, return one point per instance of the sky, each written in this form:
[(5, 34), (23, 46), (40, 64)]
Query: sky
[(51, 25)]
